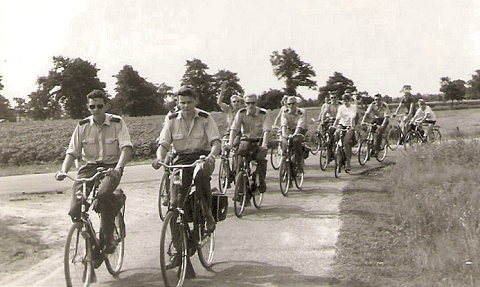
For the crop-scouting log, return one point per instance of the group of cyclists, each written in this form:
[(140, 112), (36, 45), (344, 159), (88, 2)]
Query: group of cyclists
[(103, 140)]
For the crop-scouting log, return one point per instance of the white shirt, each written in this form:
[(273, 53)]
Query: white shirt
[(346, 115)]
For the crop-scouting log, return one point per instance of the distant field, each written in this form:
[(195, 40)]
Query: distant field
[(39, 142)]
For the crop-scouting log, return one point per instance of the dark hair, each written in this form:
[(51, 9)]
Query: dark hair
[(378, 96), (98, 94), (186, 91), (346, 97)]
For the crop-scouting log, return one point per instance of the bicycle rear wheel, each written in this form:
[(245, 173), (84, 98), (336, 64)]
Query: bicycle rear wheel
[(240, 194), (382, 153), (363, 152), (114, 261), (205, 247), (257, 196), (285, 177), (77, 258), (164, 196), (276, 156), (394, 137), (223, 175), (173, 250)]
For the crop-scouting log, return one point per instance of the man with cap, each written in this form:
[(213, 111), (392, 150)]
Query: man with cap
[(254, 124), (293, 124)]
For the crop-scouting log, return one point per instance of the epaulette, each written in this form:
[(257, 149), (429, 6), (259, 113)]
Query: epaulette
[(172, 116), (203, 114), (242, 110), (299, 111), (84, 121), (116, 119), (263, 111)]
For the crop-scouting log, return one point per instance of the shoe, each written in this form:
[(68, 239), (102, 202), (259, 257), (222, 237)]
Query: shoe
[(248, 203), (175, 261), (210, 226), (347, 166), (110, 246)]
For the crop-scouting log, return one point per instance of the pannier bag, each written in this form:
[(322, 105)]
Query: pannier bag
[(219, 205)]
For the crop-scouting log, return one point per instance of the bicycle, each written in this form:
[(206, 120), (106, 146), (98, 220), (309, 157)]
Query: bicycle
[(276, 152), (83, 248), (416, 136), (339, 152), (289, 171), (183, 232), (366, 147), (226, 168), (247, 185), (395, 135)]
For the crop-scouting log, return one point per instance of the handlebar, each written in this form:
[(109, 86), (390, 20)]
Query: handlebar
[(100, 172), (173, 166)]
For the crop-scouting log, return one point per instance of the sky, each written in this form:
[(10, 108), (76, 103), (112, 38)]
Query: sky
[(379, 44)]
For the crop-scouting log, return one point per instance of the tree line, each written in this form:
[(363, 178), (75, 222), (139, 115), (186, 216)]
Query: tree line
[(62, 92)]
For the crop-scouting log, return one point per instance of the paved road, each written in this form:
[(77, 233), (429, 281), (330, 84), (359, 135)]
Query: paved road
[(290, 241)]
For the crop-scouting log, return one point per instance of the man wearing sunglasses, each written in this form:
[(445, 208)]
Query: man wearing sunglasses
[(378, 111), (293, 124), (254, 124), (102, 140)]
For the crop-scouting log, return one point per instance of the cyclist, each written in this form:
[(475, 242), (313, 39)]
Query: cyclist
[(192, 132), (283, 107), (254, 124), (327, 118), (424, 114), (379, 111), (102, 140), (408, 100), (345, 118), (293, 124), (229, 110)]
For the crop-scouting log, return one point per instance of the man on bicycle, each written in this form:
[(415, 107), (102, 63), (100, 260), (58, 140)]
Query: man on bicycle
[(293, 125), (327, 118), (408, 100), (424, 114), (379, 111), (345, 118), (254, 123), (192, 132), (102, 140)]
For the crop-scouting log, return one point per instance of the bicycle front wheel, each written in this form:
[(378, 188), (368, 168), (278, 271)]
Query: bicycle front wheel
[(363, 152), (257, 196), (299, 179), (223, 175), (240, 195), (164, 196), (394, 137), (285, 177), (77, 258), (314, 143), (412, 139), (338, 161), (173, 250), (114, 261), (382, 153), (205, 247), (276, 156), (356, 147)]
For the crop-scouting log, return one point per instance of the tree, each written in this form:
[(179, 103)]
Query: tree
[(337, 84), (67, 86), (294, 71), (165, 99), (202, 83), (6, 112), (20, 107), (453, 90), (135, 95), (271, 99), (233, 86), (473, 90)]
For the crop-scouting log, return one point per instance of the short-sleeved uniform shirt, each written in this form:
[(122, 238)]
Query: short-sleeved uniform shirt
[(293, 120), (375, 111), (100, 143), (252, 125), (420, 114), (199, 137), (346, 115)]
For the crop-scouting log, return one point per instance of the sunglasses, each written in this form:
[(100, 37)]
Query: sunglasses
[(92, 107), (250, 103), (235, 101), (290, 104)]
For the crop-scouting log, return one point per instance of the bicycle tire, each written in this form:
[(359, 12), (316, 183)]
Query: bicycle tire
[(257, 196), (173, 230), (164, 196), (77, 260), (363, 152), (412, 139), (240, 194), (114, 261), (338, 162), (356, 147), (324, 157), (382, 153), (276, 156), (223, 175), (205, 247), (299, 177), (314, 143), (285, 177), (394, 137)]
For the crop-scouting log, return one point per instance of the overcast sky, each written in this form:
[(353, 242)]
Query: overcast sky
[(380, 45)]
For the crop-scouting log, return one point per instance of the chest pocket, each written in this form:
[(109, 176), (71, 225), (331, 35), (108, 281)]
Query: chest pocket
[(111, 146), (198, 135), (177, 137), (90, 147)]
